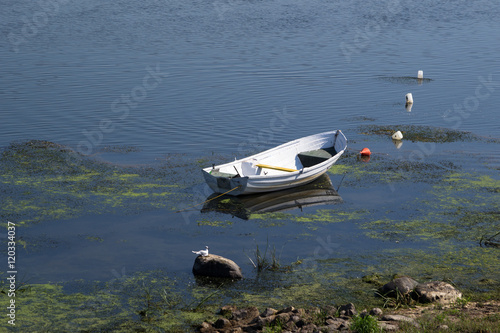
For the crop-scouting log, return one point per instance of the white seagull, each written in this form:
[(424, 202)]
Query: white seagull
[(203, 253)]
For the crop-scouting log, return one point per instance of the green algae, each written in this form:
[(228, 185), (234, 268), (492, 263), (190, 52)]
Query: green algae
[(331, 216), (147, 301), (45, 307), (386, 170), (468, 181), (123, 149), (311, 220), (462, 207), (214, 223), (409, 80), (42, 180), (92, 238), (419, 133)]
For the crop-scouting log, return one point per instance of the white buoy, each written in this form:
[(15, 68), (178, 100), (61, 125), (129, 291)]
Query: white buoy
[(420, 75), (397, 136), (408, 107), (409, 98)]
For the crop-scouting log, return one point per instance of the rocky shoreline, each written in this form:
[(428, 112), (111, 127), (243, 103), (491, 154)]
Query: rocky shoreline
[(333, 319), (402, 292), (288, 319)]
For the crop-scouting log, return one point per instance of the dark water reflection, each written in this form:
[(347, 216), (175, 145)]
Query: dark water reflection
[(319, 192)]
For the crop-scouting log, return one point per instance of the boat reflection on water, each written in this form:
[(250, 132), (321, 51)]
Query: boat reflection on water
[(318, 192)]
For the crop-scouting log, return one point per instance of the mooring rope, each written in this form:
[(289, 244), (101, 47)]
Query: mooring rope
[(204, 202)]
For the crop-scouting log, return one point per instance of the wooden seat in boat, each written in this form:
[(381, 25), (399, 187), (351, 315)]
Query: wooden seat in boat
[(313, 157)]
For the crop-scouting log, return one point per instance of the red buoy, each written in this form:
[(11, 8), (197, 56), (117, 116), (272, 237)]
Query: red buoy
[(365, 152)]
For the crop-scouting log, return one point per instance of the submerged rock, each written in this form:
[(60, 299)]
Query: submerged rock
[(402, 286), (437, 291), (216, 266)]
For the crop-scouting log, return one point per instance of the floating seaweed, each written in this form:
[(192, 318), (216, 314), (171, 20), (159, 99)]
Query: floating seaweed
[(425, 133)]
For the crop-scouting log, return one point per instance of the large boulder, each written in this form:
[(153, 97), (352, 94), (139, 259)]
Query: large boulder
[(437, 291), (430, 292), (216, 266), (400, 286)]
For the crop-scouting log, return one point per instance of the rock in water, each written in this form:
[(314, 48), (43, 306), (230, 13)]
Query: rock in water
[(437, 291), (216, 266), (403, 285)]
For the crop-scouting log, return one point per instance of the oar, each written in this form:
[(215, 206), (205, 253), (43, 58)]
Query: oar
[(275, 167)]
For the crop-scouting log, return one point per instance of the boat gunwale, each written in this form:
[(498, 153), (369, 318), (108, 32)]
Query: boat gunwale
[(281, 146)]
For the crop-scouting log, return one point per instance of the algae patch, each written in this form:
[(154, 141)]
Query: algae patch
[(386, 170), (462, 207), (424, 133), (310, 220), (42, 180), (147, 301), (408, 80), (214, 223)]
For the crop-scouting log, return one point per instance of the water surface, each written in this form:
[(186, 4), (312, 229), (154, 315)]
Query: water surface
[(173, 83)]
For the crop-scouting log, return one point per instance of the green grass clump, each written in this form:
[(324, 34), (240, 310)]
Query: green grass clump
[(263, 262), (269, 260), (276, 326), (453, 320), (365, 324)]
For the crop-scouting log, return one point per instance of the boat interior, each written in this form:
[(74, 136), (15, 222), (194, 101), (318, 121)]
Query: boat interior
[(274, 164)]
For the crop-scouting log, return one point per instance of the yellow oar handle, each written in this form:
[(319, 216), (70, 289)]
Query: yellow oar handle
[(275, 167)]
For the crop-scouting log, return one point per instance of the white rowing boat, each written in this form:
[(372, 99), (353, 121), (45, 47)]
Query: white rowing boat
[(291, 164)]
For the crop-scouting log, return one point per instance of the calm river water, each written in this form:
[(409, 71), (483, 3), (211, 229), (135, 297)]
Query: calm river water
[(195, 79)]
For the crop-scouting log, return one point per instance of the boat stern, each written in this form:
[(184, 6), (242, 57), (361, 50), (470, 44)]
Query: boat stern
[(227, 184)]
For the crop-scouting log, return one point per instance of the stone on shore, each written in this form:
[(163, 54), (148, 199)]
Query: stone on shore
[(430, 292), (376, 312), (437, 291), (400, 318), (289, 319), (245, 315), (347, 310), (216, 266), (268, 312)]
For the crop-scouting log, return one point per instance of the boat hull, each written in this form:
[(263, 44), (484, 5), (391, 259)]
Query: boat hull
[(296, 163)]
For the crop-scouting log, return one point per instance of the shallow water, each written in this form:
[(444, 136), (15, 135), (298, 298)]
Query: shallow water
[(179, 85)]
